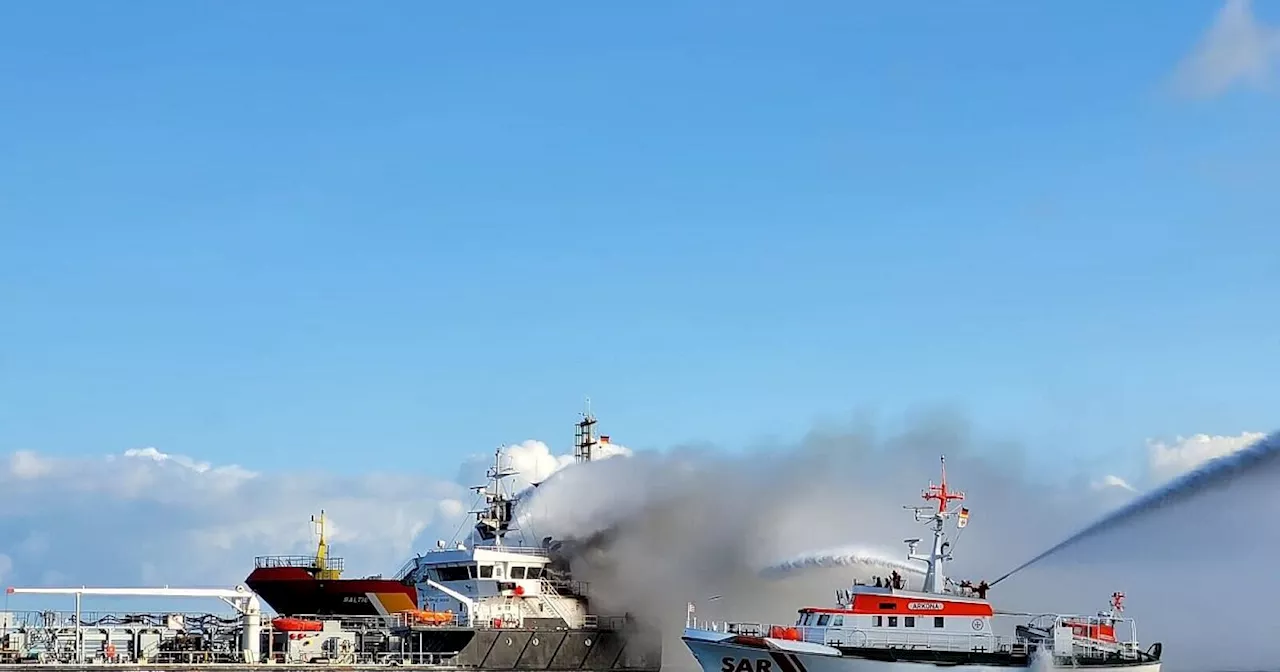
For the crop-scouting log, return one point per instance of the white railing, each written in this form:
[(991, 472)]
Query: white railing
[(1085, 647), (902, 638), (522, 550)]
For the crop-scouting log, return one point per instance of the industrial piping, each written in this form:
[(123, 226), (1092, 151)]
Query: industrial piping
[(240, 598)]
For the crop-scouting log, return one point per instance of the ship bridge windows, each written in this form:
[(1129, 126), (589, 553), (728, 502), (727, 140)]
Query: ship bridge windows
[(517, 572), (486, 571), (454, 573), (824, 619)]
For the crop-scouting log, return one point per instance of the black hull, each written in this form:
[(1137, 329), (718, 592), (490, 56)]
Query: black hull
[(529, 650)]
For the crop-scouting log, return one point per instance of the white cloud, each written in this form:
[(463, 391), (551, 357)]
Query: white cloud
[(535, 462), (26, 465), (1237, 50), (146, 516), (1112, 481), (1168, 460)]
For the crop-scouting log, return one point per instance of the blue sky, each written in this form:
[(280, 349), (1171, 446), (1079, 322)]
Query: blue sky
[(359, 235)]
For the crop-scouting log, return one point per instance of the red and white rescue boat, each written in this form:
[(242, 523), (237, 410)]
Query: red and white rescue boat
[(888, 628)]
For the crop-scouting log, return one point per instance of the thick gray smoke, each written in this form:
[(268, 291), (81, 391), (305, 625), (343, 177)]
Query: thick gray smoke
[(664, 529)]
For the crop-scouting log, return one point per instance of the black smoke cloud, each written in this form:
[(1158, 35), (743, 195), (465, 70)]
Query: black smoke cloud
[(658, 530)]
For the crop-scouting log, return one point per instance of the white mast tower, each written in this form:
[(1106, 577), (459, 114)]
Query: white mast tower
[(934, 580)]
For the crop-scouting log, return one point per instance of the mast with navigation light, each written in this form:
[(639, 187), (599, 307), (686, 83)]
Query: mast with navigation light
[(934, 580)]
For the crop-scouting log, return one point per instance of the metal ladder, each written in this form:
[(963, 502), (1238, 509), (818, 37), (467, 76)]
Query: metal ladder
[(548, 589)]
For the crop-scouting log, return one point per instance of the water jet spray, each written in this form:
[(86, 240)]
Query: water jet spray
[(1217, 473)]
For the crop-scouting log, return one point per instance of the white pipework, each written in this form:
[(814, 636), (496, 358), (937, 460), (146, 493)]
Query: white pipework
[(240, 598)]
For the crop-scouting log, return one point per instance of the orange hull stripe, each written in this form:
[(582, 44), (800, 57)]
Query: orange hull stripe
[(394, 602)]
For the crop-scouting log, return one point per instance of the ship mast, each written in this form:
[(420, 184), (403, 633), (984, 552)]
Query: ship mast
[(584, 438), (322, 551), (494, 520), (934, 580)]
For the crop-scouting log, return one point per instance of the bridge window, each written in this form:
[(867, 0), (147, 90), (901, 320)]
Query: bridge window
[(893, 621), (486, 571), (937, 621), (908, 621), (517, 572), (471, 571), (822, 620), (877, 621), (837, 622), (458, 573), (534, 572)]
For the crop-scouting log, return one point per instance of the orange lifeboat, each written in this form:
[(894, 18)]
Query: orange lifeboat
[(286, 624), (429, 617), (1099, 632), (782, 632)]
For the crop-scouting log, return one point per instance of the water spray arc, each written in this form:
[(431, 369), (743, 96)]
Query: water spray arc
[(837, 557), (1217, 473)]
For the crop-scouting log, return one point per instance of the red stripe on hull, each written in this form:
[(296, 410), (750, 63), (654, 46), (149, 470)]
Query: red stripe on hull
[(294, 590), (910, 605)]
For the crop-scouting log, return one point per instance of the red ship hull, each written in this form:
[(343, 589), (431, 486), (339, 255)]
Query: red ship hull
[(296, 591)]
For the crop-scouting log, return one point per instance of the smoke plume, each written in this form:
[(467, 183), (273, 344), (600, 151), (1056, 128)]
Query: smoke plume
[(663, 529)]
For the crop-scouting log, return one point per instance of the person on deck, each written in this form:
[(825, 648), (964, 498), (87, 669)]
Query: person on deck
[(982, 590)]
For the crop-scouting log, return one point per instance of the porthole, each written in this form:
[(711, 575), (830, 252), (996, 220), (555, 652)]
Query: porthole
[(509, 642), (535, 641), (587, 641)]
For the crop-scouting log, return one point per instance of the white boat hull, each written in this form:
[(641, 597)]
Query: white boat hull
[(716, 655)]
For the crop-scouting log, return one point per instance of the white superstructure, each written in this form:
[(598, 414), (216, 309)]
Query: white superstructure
[(496, 584)]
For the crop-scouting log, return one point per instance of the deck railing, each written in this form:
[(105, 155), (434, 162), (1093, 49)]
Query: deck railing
[(522, 550), (304, 561)]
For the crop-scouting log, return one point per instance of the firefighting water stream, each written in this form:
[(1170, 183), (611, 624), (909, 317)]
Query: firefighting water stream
[(1215, 474), (837, 557)]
